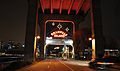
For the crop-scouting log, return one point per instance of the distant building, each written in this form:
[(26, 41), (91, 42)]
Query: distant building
[(0, 44)]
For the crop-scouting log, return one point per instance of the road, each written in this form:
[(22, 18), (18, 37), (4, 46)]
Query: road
[(58, 65), (54, 65)]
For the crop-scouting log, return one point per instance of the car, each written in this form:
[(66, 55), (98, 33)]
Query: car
[(103, 63)]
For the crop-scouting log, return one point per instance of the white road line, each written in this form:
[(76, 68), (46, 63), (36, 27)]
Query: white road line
[(48, 66), (50, 63), (66, 65)]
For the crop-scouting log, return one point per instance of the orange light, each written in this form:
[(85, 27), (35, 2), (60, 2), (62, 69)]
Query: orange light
[(38, 37), (59, 34), (93, 49), (105, 63), (52, 34)]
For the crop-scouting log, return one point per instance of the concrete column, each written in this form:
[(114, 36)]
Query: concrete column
[(97, 31), (30, 31), (42, 30), (75, 37)]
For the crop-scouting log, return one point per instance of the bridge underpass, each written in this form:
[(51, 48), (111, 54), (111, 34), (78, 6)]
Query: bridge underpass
[(57, 32), (59, 48), (39, 11)]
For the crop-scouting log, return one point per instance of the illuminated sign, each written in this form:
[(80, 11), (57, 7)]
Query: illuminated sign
[(59, 34), (59, 25)]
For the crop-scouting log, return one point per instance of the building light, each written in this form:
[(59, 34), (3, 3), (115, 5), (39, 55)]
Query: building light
[(13, 46), (23, 45), (57, 48)]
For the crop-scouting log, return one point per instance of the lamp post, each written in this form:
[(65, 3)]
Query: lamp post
[(36, 34), (93, 32), (93, 47), (35, 46)]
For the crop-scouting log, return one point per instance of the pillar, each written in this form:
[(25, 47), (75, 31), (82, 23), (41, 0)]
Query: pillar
[(97, 31), (30, 31)]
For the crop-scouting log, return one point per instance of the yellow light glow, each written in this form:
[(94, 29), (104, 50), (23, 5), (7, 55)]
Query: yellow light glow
[(93, 49), (38, 37), (52, 34), (90, 38), (34, 48)]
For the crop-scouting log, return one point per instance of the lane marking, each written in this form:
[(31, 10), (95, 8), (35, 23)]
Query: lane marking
[(48, 66), (66, 65)]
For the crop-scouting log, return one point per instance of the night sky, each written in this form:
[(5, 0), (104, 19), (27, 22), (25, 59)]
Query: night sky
[(13, 15), (111, 18)]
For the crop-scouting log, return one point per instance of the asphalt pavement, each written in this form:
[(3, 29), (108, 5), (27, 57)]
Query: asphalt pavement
[(61, 65), (54, 65)]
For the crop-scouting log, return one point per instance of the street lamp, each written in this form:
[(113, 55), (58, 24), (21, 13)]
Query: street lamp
[(35, 46), (89, 38), (93, 47), (38, 37)]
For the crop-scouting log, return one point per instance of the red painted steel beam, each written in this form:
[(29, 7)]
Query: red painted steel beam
[(38, 4), (61, 1), (86, 6), (70, 6), (51, 6), (41, 2), (80, 5)]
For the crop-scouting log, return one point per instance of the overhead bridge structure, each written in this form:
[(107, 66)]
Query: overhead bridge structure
[(58, 21)]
